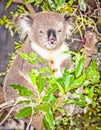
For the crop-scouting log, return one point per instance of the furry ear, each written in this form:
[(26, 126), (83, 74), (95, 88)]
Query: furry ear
[(23, 23), (70, 24), (69, 18)]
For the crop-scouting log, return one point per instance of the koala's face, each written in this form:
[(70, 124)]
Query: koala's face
[(47, 29)]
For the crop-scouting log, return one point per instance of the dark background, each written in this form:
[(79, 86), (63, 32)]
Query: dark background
[(6, 41)]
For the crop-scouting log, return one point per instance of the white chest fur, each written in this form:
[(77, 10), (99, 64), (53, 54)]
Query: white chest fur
[(55, 56)]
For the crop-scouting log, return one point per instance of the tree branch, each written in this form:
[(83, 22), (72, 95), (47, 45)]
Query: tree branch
[(28, 6)]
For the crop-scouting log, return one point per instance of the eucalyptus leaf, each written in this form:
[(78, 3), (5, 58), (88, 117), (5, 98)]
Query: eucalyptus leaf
[(79, 68), (25, 112), (25, 56), (40, 84), (66, 79), (52, 5), (49, 118), (24, 102), (37, 2), (23, 91), (31, 58), (61, 88), (61, 110), (82, 4), (78, 102), (71, 79), (43, 70), (46, 124), (29, 1), (49, 93), (9, 2), (91, 92), (60, 3), (77, 83), (33, 55), (92, 73), (50, 99), (33, 78)]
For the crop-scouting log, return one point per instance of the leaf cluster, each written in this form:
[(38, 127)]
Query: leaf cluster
[(45, 102)]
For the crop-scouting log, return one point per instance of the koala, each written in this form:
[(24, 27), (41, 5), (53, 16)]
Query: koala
[(46, 33)]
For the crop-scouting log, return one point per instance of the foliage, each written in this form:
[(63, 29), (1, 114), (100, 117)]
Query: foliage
[(9, 23), (46, 102)]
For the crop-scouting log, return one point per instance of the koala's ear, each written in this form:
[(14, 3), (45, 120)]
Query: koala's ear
[(70, 23), (70, 18), (23, 23)]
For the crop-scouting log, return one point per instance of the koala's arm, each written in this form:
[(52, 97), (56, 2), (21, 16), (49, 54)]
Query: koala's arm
[(19, 73)]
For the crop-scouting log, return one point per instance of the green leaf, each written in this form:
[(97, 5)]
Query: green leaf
[(61, 110), (43, 70), (70, 2), (66, 79), (33, 77), (50, 99), (70, 52), (25, 56), (78, 102), (29, 1), (88, 100), (46, 124), (79, 67), (52, 5), (92, 73), (78, 99), (60, 3), (22, 90), (91, 92), (60, 88), (40, 84), (24, 101), (78, 95), (9, 2), (33, 55), (49, 118), (31, 58), (72, 79), (37, 2), (2, 74), (25, 112), (82, 4), (51, 89), (77, 83), (49, 93)]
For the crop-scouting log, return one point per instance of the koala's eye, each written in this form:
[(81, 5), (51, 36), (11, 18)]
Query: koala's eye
[(59, 30), (41, 32)]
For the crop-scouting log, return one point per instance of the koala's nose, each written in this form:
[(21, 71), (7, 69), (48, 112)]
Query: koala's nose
[(52, 40), (51, 33)]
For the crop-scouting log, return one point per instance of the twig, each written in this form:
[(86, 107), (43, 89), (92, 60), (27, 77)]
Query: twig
[(28, 6), (12, 103), (31, 115), (8, 114)]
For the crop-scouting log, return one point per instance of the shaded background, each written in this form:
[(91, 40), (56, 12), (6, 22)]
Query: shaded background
[(6, 41)]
